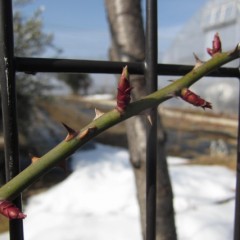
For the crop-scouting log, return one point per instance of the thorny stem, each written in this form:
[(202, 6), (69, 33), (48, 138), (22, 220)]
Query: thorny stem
[(64, 149)]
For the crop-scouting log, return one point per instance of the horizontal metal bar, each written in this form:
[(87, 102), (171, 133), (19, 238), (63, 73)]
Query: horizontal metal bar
[(34, 65), (180, 70)]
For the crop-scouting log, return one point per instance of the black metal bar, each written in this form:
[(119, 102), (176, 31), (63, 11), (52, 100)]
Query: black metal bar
[(8, 97), (151, 153), (34, 65), (180, 70), (237, 198)]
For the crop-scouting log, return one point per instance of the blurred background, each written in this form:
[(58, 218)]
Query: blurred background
[(79, 29)]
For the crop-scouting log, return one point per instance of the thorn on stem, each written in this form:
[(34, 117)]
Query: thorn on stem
[(86, 132), (199, 62), (98, 114), (149, 118), (236, 50), (71, 133), (34, 158), (146, 113)]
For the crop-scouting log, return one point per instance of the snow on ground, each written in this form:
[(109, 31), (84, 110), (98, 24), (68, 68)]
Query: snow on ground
[(99, 97), (204, 202), (98, 201)]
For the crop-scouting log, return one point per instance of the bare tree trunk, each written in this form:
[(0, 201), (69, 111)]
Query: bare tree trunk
[(126, 26)]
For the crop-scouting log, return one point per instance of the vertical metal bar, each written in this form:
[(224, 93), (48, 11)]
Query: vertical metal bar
[(151, 78), (8, 97), (237, 198)]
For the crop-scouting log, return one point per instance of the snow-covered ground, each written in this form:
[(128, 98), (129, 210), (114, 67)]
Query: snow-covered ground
[(99, 97), (98, 201)]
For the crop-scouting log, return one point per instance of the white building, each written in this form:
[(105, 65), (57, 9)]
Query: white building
[(222, 16)]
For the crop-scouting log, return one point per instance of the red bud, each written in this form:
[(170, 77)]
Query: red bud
[(10, 211), (124, 91), (216, 46), (194, 99)]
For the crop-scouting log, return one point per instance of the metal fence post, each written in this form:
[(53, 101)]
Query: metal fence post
[(8, 93), (151, 154), (237, 198)]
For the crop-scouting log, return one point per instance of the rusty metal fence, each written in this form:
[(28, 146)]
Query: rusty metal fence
[(10, 64)]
